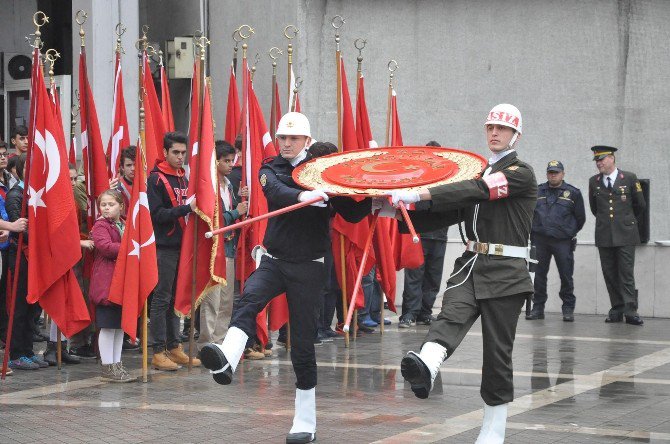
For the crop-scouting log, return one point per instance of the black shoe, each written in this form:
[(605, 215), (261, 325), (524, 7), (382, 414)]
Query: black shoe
[(50, 354), (536, 313), (183, 337), (634, 320), (129, 345), (610, 319), (300, 438), (323, 337), (68, 358), (39, 337), (85, 351), (365, 329), (417, 374), (212, 358), (317, 342), (568, 317), (425, 320)]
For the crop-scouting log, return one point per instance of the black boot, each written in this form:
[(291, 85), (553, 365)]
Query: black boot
[(415, 371), (536, 313), (50, 354), (212, 358), (66, 357)]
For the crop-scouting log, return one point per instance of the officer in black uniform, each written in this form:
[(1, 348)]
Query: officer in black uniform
[(296, 244), (491, 279), (617, 202), (559, 215)]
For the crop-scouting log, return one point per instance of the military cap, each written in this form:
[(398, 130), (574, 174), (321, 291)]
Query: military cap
[(601, 151), (555, 166)]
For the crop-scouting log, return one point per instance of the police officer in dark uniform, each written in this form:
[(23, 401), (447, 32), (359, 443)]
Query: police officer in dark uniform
[(617, 202), (296, 244), (559, 215), (491, 279)]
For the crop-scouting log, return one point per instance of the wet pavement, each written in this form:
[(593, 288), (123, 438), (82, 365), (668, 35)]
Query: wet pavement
[(581, 382)]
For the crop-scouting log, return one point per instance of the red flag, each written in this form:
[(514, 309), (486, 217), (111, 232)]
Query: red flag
[(293, 95), (232, 109), (52, 218), (277, 110), (166, 103), (119, 138), (152, 117), (93, 152), (256, 146), (407, 253), (136, 271), (355, 235), (203, 184), (72, 152)]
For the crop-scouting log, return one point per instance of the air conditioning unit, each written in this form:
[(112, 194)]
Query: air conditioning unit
[(15, 66)]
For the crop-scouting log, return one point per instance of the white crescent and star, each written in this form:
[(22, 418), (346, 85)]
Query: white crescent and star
[(51, 155), (142, 201)]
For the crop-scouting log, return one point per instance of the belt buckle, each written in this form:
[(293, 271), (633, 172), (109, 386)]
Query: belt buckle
[(498, 249), (482, 247)]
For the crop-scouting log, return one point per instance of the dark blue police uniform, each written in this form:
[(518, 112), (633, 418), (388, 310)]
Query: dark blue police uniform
[(559, 215)]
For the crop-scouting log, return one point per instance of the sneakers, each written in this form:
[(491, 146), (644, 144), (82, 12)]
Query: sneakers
[(39, 360), (115, 373), (23, 363), (425, 320), (130, 345), (250, 353), (178, 356), (161, 361), (368, 322), (406, 322), (332, 334)]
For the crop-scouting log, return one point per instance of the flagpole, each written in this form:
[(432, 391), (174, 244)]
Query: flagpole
[(392, 66), (289, 52), (51, 55), (235, 49), (39, 19), (294, 102), (273, 109), (141, 45), (337, 22)]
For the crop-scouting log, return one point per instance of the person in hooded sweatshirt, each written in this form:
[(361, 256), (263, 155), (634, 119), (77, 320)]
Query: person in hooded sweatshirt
[(166, 192)]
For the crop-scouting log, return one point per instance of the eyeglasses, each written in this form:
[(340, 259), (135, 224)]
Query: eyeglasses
[(4, 154)]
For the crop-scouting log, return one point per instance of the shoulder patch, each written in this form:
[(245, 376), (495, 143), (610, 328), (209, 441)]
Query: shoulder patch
[(513, 168), (264, 180), (638, 187), (566, 193)]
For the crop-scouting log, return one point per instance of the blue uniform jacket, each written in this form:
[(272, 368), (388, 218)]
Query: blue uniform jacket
[(559, 212)]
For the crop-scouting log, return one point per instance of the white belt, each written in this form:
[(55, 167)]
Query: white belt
[(321, 259), (497, 249)]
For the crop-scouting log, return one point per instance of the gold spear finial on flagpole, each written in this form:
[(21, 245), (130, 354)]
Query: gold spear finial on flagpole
[(80, 18), (245, 36), (119, 30), (51, 55), (289, 51)]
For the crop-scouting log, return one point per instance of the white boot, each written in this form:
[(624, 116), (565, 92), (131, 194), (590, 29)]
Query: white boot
[(433, 355), (233, 346), (493, 426), (304, 419)]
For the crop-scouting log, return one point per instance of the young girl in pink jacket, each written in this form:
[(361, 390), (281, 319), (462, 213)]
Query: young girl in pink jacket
[(107, 232)]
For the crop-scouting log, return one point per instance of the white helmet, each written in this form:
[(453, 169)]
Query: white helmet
[(506, 115), (293, 124)]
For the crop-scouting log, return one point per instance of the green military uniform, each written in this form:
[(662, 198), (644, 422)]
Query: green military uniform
[(617, 210), (496, 209)]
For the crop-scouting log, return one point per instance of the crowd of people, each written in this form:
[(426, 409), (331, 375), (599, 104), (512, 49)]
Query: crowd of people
[(501, 212)]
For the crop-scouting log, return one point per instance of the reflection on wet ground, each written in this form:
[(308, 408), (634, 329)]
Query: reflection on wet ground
[(582, 382)]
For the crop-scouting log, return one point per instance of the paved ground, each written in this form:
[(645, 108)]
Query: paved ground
[(587, 382)]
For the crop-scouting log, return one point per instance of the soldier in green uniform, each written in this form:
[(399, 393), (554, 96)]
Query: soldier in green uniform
[(491, 278), (617, 202)]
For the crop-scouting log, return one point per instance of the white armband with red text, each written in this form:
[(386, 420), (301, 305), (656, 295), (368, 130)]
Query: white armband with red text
[(498, 187)]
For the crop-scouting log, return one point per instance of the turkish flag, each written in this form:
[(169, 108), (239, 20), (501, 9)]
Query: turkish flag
[(204, 187), (119, 138), (166, 103), (232, 110), (52, 218), (93, 152), (153, 118), (407, 254), (346, 236), (256, 146), (136, 271)]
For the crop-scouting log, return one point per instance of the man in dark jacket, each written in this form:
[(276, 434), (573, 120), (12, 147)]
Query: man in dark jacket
[(491, 278), (166, 192), (296, 244), (559, 215), (617, 202)]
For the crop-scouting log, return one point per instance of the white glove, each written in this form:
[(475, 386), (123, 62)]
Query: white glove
[(406, 196), (384, 207), (309, 195)]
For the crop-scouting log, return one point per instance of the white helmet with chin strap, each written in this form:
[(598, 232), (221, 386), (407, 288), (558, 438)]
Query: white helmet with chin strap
[(506, 115), (294, 124)]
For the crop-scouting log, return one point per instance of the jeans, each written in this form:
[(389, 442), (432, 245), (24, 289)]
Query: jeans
[(164, 322)]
